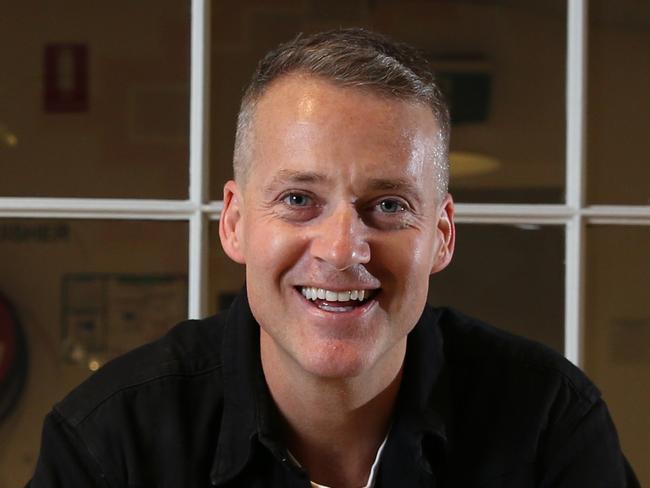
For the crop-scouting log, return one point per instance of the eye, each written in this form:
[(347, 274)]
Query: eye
[(297, 200), (391, 205)]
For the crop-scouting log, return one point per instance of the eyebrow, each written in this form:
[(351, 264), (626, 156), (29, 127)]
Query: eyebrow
[(285, 176), (392, 184), (400, 185)]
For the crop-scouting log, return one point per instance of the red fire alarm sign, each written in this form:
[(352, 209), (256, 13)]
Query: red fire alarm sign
[(65, 87)]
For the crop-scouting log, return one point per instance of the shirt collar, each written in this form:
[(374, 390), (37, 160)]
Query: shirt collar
[(249, 415)]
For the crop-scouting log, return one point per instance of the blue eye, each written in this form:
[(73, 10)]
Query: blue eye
[(297, 200), (390, 206)]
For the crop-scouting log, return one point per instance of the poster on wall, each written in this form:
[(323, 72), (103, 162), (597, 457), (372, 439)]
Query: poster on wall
[(105, 315)]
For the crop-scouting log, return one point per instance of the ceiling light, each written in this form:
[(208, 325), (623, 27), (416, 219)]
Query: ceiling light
[(464, 164)]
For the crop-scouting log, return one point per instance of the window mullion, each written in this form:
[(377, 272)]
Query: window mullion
[(574, 290), (576, 77), (199, 157), (95, 208)]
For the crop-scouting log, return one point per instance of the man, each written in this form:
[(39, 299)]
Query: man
[(330, 369)]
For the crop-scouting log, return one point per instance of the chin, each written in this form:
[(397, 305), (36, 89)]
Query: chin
[(335, 361)]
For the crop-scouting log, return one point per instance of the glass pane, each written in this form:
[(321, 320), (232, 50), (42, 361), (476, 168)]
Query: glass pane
[(617, 334), (226, 276), (619, 76), (510, 276), (83, 291), (94, 99), (507, 97)]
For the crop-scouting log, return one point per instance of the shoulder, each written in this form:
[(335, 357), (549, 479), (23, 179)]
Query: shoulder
[(494, 360), (144, 416), (518, 402), (189, 351)]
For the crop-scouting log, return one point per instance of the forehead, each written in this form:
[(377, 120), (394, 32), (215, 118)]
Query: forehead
[(307, 123), (306, 98)]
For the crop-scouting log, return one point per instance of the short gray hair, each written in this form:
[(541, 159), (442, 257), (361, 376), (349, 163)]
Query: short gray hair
[(350, 57)]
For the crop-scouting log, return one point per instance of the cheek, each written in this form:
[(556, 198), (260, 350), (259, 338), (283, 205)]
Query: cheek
[(271, 250), (405, 261)]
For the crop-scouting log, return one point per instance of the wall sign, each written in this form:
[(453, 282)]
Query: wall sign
[(43, 233), (106, 314), (65, 80)]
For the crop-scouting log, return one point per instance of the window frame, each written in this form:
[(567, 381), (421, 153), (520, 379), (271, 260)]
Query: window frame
[(198, 210)]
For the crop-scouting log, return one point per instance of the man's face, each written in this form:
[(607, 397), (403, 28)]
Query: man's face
[(338, 224)]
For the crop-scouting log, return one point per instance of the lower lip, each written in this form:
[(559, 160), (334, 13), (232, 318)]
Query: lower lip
[(351, 313)]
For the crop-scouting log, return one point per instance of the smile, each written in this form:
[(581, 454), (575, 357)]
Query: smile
[(336, 301)]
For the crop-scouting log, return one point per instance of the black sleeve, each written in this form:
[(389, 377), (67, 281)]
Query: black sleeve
[(586, 453), (64, 460)]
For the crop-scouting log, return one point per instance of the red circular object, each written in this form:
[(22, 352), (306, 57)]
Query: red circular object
[(14, 358)]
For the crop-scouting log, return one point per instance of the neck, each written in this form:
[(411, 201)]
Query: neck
[(334, 426)]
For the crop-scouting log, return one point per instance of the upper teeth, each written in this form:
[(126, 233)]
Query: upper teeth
[(311, 293)]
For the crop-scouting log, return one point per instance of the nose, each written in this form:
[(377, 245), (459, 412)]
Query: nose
[(341, 239)]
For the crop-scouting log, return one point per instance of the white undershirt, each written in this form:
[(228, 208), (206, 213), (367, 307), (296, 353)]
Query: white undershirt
[(373, 470)]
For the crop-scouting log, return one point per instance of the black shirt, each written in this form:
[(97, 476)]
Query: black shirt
[(477, 408)]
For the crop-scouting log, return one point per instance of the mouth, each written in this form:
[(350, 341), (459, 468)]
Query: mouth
[(337, 301)]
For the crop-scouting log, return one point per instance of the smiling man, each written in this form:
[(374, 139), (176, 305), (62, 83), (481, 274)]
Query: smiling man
[(339, 216), (330, 369)]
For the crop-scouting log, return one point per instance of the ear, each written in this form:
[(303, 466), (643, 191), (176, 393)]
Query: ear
[(445, 235), (231, 228)]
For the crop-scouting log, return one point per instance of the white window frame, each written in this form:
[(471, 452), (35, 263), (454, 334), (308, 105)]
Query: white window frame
[(198, 210)]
